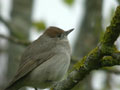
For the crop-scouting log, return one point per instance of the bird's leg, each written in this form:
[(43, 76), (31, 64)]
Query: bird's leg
[(35, 88)]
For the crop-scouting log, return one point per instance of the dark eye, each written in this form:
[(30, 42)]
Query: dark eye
[(59, 35)]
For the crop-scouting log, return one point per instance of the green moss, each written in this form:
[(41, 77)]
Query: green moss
[(94, 52), (79, 64), (107, 37), (116, 51), (107, 58), (116, 18), (109, 61), (107, 50), (86, 62), (92, 61), (113, 31)]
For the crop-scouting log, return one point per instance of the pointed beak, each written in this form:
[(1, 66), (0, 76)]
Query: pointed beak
[(69, 31)]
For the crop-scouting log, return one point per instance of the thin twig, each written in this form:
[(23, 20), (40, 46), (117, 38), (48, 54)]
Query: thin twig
[(112, 70), (14, 40), (6, 23)]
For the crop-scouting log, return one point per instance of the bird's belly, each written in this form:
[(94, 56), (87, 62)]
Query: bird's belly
[(50, 71)]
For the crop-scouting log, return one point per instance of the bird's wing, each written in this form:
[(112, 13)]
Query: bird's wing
[(28, 67), (32, 59)]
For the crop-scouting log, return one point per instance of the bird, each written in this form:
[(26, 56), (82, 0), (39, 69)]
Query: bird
[(45, 61)]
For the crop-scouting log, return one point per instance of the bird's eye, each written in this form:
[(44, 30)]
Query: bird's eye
[(59, 35)]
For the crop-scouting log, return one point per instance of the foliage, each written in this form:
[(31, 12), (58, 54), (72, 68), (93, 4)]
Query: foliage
[(40, 25), (69, 2)]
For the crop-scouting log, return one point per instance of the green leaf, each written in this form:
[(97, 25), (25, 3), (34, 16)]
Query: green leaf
[(69, 2), (41, 25)]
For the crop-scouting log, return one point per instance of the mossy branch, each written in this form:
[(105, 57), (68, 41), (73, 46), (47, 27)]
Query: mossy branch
[(105, 54)]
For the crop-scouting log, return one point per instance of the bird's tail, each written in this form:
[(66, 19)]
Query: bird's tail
[(13, 86)]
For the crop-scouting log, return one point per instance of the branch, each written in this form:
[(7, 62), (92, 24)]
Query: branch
[(6, 23), (114, 59), (97, 58), (16, 41), (111, 70), (12, 39)]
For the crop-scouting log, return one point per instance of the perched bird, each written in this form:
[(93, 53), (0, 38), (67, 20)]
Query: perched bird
[(45, 61)]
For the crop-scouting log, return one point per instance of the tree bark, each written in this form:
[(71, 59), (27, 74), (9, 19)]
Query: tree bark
[(20, 24), (88, 36), (104, 55)]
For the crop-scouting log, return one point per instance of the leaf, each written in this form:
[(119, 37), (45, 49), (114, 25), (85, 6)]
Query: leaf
[(41, 25), (69, 2)]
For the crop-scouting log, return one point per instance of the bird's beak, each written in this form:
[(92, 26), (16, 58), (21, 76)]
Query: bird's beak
[(69, 31)]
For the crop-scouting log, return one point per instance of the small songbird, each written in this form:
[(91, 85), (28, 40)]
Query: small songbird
[(45, 61)]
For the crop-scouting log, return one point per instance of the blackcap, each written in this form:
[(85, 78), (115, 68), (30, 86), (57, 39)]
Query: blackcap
[(45, 61)]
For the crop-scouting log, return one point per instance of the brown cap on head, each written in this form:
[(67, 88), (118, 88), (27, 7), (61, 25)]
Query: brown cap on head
[(53, 31)]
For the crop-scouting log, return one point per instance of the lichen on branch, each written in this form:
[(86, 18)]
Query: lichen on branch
[(101, 56)]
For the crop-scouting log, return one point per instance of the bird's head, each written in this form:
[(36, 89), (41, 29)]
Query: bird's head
[(55, 32)]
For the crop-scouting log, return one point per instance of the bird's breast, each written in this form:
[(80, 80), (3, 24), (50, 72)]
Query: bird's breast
[(51, 70)]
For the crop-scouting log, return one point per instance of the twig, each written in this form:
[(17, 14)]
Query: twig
[(14, 40), (112, 70), (6, 23)]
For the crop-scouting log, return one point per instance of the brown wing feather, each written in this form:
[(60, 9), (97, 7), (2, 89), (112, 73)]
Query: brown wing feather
[(33, 56), (30, 65)]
